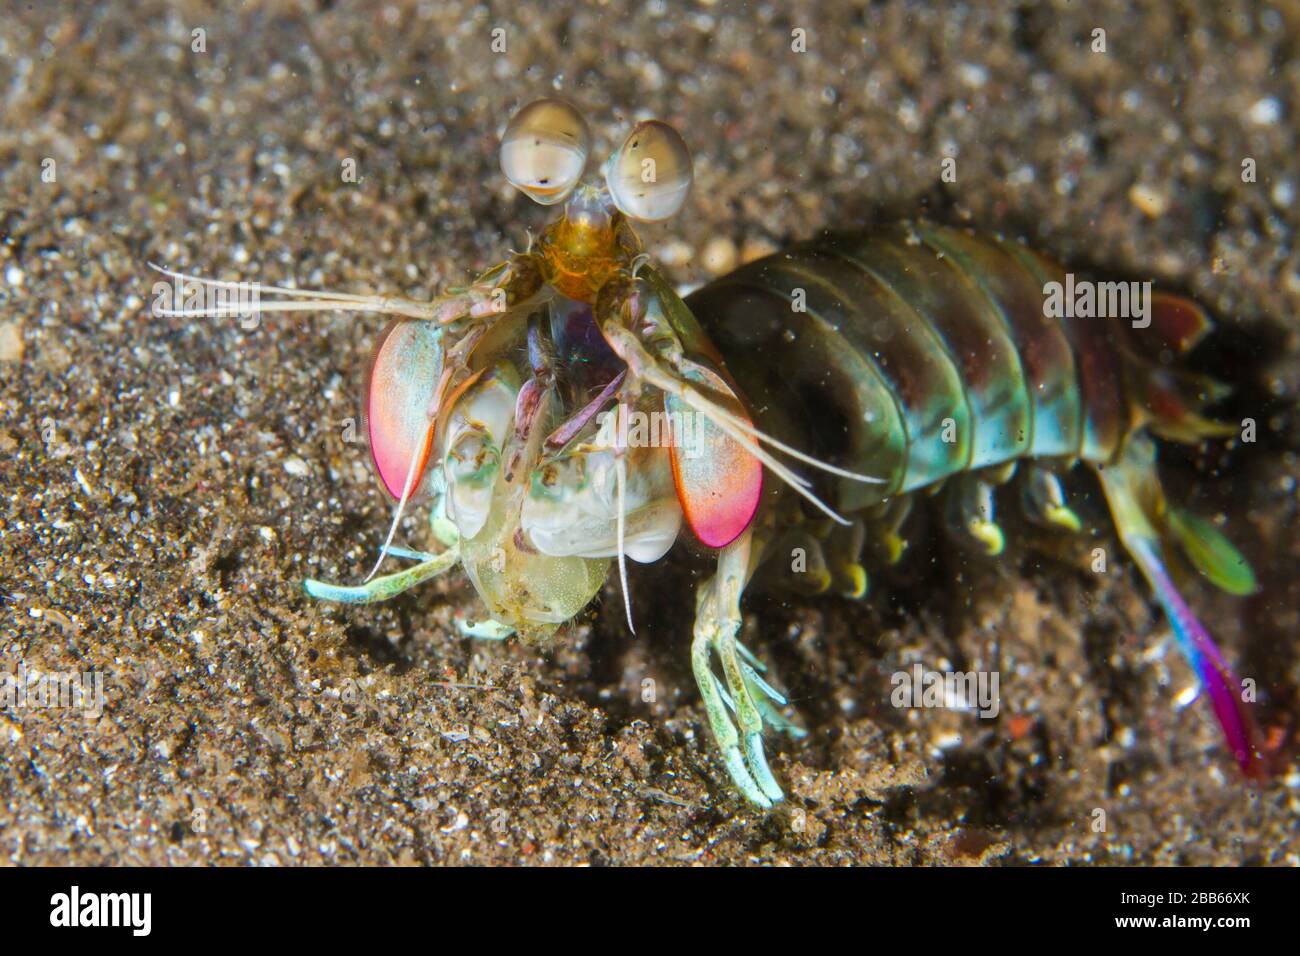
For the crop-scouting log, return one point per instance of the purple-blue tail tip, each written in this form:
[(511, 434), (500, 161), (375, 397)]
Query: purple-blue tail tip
[(1203, 655)]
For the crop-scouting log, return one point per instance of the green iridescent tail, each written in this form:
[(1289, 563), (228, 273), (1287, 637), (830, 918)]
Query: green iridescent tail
[(1146, 524)]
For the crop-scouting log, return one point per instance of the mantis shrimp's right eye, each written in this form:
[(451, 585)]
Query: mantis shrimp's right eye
[(651, 173), (544, 150)]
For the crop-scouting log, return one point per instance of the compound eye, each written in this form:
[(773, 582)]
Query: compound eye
[(544, 150), (650, 174)]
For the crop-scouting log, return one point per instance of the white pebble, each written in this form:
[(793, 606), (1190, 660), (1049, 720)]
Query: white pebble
[(674, 253), (945, 740), (972, 74), (719, 255), (1266, 112)]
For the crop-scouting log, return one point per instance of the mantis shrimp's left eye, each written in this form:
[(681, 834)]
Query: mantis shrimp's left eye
[(650, 174), (544, 150)]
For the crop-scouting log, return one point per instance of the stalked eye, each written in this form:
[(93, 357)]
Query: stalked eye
[(650, 174), (544, 150)]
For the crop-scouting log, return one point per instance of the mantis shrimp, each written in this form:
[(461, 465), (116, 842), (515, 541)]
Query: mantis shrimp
[(523, 408)]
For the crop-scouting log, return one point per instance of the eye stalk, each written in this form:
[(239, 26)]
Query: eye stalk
[(544, 150), (649, 176)]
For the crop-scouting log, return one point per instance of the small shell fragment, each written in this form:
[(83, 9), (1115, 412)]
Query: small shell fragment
[(1152, 201)]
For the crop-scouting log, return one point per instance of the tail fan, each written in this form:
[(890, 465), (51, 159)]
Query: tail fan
[(1175, 324), (1171, 402), (1205, 658), (1144, 522)]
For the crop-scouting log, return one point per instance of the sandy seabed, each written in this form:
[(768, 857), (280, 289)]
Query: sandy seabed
[(167, 484)]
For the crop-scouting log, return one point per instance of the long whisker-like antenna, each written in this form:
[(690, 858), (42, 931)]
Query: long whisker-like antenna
[(795, 481), (257, 308), (317, 300), (276, 289), (792, 452), (706, 408), (642, 365), (407, 488), (620, 480)]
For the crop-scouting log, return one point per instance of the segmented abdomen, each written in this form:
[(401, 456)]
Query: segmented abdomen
[(916, 353)]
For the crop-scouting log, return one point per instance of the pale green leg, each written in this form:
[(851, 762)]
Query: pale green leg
[(747, 714), (750, 656), (777, 720), (772, 716), (969, 513), (765, 695), (430, 566), (397, 551), (745, 694), (388, 585), (1044, 502), (445, 530)]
